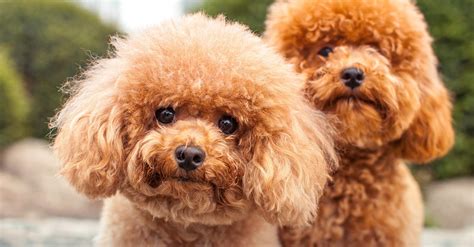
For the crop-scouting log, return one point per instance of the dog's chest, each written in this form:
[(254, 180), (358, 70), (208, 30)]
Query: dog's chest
[(361, 204)]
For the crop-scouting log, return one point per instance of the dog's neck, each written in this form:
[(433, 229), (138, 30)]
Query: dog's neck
[(376, 158), (252, 230)]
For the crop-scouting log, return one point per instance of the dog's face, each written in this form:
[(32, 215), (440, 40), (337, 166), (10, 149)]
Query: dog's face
[(188, 145), (372, 104), (195, 121), (370, 64)]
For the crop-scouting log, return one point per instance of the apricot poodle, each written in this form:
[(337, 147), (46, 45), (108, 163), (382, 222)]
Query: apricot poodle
[(369, 64), (193, 133)]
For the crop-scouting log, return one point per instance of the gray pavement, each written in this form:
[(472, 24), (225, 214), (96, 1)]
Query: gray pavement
[(55, 232)]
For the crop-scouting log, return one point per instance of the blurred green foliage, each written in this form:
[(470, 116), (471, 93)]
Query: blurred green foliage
[(452, 25), (49, 41), (249, 12), (14, 104)]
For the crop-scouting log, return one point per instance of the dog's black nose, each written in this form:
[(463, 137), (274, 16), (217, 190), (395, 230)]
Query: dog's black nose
[(352, 77), (189, 157)]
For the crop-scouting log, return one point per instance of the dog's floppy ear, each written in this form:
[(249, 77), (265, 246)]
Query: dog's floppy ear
[(89, 141), (431, 134), (290, 165)]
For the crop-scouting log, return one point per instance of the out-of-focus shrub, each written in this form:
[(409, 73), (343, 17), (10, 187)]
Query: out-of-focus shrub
[(49, 41), (452, 26), (13, 102), (249, 12)]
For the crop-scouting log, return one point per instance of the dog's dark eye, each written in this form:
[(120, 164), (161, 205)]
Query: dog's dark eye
[(325, 51), (228, 125), (165, 115)]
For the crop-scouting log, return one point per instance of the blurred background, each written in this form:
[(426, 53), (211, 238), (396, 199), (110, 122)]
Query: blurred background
[(43, 43)]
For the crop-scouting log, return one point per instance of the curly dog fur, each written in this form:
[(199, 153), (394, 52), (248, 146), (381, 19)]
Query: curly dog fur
[(400, 111), (271, 170)]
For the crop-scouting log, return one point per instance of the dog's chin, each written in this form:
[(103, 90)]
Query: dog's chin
[(185, 187), (359, 121), (356, 102), (208, 213), (186, 201)]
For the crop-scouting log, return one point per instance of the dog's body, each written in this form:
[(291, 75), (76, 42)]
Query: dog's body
[(373, 200), (193, 131), (370, 65)]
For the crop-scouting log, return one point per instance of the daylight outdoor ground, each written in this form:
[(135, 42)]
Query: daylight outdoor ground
[(38, 208)]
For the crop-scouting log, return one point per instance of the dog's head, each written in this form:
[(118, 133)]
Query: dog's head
[(196, 121), (370, 63)]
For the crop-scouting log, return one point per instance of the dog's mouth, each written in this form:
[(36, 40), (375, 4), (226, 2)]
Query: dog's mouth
[(186, 180), (178, 187), (355, 100), (155, 180)]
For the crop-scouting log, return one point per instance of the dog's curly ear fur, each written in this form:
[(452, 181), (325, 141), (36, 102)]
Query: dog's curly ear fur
[(89, 133), (290, 167), (431, 134)]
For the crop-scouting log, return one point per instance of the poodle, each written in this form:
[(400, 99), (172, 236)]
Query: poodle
[(193, 134), (370, 66)]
